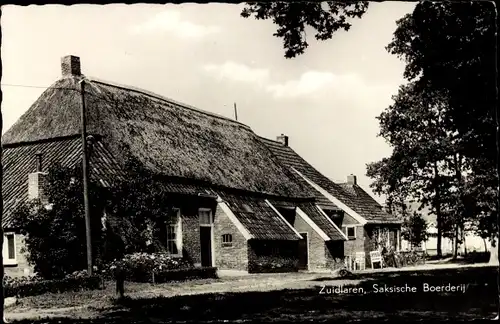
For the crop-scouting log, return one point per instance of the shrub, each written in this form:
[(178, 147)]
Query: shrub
[(185, 274), (477, 257), (273, 264), (404, 258), (15, 281), (31, 286), (140, 267)]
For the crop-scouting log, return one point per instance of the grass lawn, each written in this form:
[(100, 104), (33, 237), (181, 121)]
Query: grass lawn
[(480, 300)]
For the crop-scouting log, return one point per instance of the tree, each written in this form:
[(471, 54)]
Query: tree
[(293, 18), (414, 126), (55, 233), (449, 47), (144, 200), (414, 229), (123, 215)]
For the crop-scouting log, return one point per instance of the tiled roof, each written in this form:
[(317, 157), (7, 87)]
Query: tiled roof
[(315, 215), (260, 220), (291, 159), (19, 161), (367, 207), (352, 196), (323, 223)]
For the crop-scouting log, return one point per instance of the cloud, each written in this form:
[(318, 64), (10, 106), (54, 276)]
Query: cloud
[(238, 72), (309, 83), (171, 21)]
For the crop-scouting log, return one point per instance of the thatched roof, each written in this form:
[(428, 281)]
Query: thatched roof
[(165, 136)]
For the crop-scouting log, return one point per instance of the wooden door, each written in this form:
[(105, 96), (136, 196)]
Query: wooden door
[(206, 246), (303, 252)]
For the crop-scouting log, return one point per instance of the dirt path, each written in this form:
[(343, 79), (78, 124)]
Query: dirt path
[(242, 284), (247, 284)]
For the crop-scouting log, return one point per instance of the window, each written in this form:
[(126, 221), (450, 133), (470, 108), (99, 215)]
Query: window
[(205, 217), (335, 216), (275, 251), (174, 234), (9, 249), (288, 214), (227, 240), (350, 232)]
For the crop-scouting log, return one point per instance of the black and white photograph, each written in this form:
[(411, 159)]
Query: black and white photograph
[(273, 162)]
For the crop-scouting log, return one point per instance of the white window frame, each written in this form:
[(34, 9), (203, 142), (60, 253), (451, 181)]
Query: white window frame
[(6, 259), (177, 226), (347, 231)]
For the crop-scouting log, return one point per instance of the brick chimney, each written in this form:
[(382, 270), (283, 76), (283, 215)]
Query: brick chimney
[(70, 66), (283, 139), (36, 181), (39, 161), (351, 179)]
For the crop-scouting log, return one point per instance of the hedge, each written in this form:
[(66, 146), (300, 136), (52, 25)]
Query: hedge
[(273, 264), (174, 275), (38, 287)]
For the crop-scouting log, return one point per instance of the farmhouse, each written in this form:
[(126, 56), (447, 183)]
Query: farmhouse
[(238, 206), (366, 224)]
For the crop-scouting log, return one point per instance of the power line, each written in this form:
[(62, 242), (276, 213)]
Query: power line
[(33, 86), (99, 97)]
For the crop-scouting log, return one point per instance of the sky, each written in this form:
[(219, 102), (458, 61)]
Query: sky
[(208, 56)]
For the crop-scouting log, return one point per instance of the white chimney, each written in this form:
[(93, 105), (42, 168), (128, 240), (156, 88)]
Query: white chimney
[(36, 183), (351, 179)]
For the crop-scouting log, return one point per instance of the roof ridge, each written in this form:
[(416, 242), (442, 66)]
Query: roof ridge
[(164, 98), (268, 139)]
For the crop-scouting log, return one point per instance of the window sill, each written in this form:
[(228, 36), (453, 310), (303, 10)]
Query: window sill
[(10, 263)]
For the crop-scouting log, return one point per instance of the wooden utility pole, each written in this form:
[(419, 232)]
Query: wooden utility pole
[(86, 181), (235, 112)]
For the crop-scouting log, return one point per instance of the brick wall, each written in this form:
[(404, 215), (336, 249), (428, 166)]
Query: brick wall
[(229, 257), (317, 255), (355, 245), (366, 241), (22, 268)]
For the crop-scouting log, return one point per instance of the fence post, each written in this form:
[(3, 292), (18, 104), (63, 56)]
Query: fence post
[(120, 283)]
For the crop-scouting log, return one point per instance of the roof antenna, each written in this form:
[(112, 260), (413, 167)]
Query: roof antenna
[(235, 112)]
